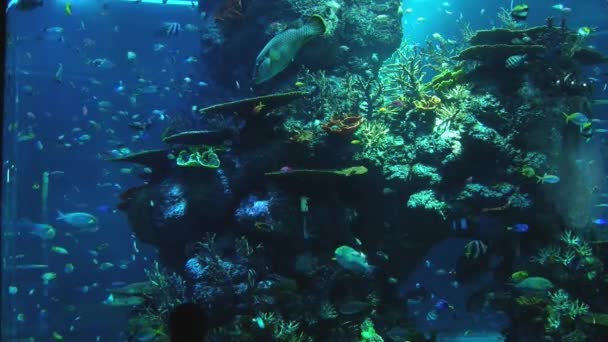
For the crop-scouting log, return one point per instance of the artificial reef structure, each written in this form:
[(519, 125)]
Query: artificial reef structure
[(383, 146)]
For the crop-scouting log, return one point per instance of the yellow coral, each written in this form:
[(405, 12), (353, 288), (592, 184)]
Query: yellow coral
[(428, 103)]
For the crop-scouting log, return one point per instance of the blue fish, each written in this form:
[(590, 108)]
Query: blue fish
[(443, 304), (519, 228), (600, 221), (104, 208)]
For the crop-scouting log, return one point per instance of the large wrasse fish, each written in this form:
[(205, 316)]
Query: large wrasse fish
[(283, 48)]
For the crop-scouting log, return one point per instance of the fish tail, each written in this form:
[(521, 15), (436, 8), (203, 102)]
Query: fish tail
[(60, 215)]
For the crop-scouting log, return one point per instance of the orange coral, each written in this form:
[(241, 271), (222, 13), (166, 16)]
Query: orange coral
[(346, 125)]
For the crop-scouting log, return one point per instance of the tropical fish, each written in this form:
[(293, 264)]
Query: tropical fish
[(78, 219), (30, 266), (48, 276), (519, 228), (515, 61), (112, 300), (69, 268), (42, 230), (24, 5), (59, 250), (443, 304), (102, 63), (283, 48), (577, 118), (520, 12), (534, 284), (527, 171), (519, 276), (548, 179), (584, 32), (600, 221), (149, 334), (353, 307), (106, 266), (68, 8), (171, 29), (562, 8), (587, 130), (352, 260), (474, 249)]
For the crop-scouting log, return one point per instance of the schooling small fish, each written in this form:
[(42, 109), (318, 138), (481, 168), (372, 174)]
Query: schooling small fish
[(519, 228)]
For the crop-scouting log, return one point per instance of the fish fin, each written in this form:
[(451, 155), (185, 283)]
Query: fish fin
[(60, 215)]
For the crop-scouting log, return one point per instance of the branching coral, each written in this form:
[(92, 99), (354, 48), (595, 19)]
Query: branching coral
[(447, 117), (561, 306), (547, 254), (403, 73), (327, 311), (373, 135), (570, 239), (566, 258), (458, 92), (504, 15), (171, 289)]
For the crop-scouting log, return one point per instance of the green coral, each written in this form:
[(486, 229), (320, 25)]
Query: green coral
[(447, 79), (368, 332), (427, 200), (208, 159), (562, 307), (426, 173)]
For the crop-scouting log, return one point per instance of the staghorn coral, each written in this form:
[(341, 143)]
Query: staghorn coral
[(373, 136), (404, 73), (458, 92), (449, 117), (547, 254), (562, 307), (504, 15), (327, 311), (570, 239)]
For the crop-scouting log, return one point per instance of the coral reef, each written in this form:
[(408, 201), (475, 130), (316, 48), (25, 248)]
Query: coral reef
[(443, 147)]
